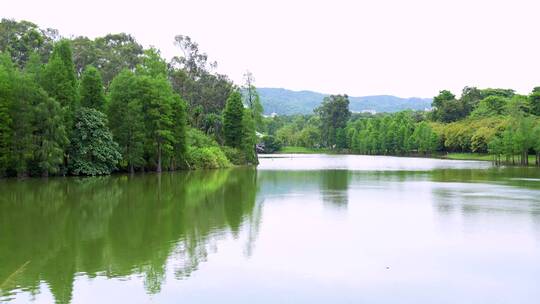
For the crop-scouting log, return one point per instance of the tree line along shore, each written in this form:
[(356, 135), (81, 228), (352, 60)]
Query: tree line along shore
[(83, 106)]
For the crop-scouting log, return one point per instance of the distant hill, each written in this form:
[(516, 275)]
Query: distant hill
[(287, 102)]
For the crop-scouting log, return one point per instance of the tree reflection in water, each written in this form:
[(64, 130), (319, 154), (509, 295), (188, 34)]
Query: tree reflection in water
[(119, 226)]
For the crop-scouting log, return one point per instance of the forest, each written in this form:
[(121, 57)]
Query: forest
[(80, 106), (498, 122)]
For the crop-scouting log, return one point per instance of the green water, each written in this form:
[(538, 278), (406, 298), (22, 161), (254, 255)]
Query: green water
[(299, 229)]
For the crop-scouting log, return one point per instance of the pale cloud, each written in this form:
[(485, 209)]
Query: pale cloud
[(405, 48)]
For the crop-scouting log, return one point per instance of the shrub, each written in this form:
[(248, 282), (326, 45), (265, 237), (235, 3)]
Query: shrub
[(236, 156), (271, 144), (207, 158), (197, 138)]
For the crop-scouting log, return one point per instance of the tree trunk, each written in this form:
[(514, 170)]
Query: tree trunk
[(131, 169), (158, 169)]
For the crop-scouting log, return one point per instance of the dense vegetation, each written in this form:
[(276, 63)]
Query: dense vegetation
[(90, 107), (495, 121)]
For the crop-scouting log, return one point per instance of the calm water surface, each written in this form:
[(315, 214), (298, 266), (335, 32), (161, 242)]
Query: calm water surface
[(300, 229)]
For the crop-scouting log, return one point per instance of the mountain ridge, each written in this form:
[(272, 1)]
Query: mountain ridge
[(288, 102)]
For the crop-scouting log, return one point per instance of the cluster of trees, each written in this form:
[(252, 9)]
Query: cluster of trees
[(89, 107), (333, 126), (394, 134), (496, 121)]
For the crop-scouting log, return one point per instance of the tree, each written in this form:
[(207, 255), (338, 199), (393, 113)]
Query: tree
[(536, 136), (523, 136), (152, 64), (425, 140), (126, 119), (21, 39), (232, 120), (157, 109), (5, 118), (59, 79), (252, 99), (490, 106), (249, 137), (534, 101), (270, 144), (470, 97), (93, 150), (448, 109), (91, 89), (179, 131), (116, 52), (20, 96), (50, 135), (334, 113)]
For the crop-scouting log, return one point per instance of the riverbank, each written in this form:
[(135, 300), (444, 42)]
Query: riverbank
[(451, 155), (303, 150)]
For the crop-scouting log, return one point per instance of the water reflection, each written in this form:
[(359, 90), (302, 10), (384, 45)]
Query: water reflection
[(120, 226), (145, 238)]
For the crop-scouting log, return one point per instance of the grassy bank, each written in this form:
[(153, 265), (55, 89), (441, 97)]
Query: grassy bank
[(480, 156), (468, 156), (301, 150)]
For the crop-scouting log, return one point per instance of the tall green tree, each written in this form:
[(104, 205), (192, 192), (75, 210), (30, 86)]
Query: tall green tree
[(59, 79), (93, 150), (179, 132), (91, 89), (334, 113), (157, 99), (50, 136), (232, 120), (22, 38), (249, 138), (126, 119), (5, 118), (534, 101), (21, 113), (253, 100)]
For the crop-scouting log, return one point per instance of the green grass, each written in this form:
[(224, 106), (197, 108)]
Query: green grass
[(301, 150), (469, 156), (481, 156)]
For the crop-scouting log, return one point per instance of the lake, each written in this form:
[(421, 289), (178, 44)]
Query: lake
[(299, 229)]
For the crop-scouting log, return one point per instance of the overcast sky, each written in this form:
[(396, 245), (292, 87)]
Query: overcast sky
[(400, 47)]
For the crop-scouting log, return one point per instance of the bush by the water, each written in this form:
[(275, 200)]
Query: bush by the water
[(236, 156), (207, 158), (270, 144)]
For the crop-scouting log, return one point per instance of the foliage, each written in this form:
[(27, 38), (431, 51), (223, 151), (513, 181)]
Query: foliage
[(22, 39), (93, 150), (207, 158), (334, 113), (534, 101), (91, 89), (51, 119), (126, 120), (270, 144), (249, 138), (232, 120), (235, 156)]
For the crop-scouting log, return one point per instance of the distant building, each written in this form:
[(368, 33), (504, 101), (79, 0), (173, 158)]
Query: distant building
[(272, 115), (372, 112)]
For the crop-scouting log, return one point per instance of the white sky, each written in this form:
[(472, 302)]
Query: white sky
[(400, 47)]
